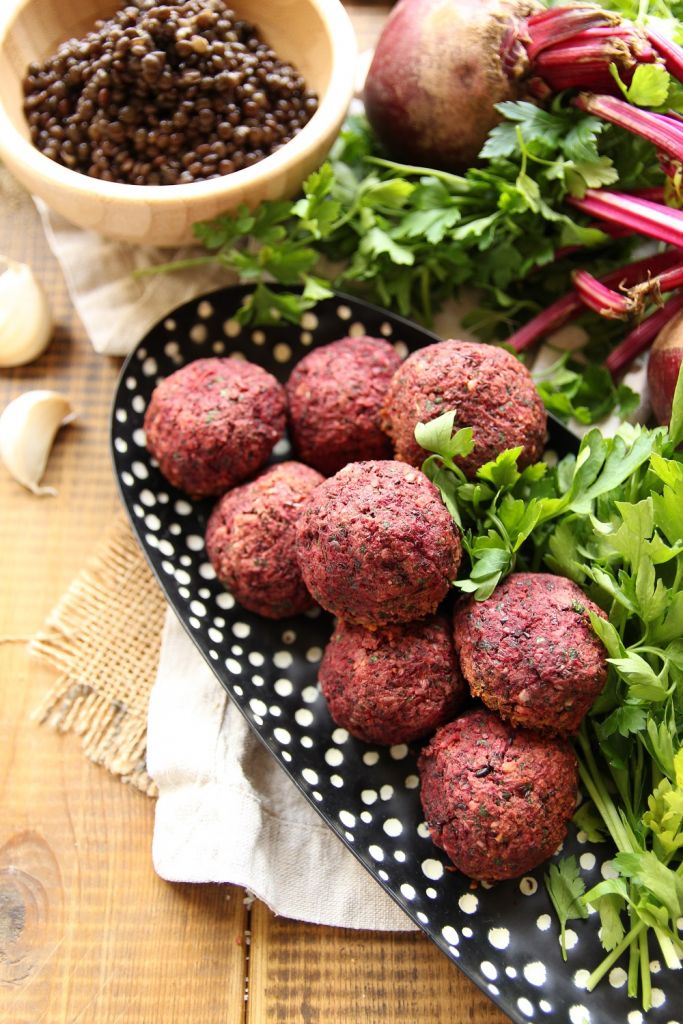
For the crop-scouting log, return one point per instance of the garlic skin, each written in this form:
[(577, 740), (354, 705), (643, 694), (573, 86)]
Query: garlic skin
[(26, 323), (28, 426)]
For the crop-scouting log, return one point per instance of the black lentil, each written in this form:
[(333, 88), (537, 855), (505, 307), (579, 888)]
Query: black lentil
[(164, 94)]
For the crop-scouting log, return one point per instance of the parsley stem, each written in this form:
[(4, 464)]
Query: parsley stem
[(671, 956), (163, 268), (459, 185), (645, 977), (602, 969), (633, 965), (592, 779)]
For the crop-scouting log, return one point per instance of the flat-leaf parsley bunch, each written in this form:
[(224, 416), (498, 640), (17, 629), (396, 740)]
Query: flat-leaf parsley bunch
[(611, 519)]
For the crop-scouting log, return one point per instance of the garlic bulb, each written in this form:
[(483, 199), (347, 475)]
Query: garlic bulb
[(28, 426), (25, 319)]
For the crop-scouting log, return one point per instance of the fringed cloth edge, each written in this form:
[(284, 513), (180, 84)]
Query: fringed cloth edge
[(104, 637)]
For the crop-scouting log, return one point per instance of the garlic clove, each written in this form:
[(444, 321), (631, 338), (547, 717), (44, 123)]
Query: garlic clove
[(26, 323), (28, 426)]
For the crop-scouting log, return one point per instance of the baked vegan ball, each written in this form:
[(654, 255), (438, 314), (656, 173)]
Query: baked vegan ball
[(530, 653), (335, 394), (250, 540), (376, 545), (497, 800), (394, 684), (489, 389), (213, 423)]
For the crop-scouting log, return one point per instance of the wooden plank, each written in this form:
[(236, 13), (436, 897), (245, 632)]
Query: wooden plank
[(305, 974), (88, 932)]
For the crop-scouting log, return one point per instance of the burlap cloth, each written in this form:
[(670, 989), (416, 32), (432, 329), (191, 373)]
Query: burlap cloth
[(104, 638)]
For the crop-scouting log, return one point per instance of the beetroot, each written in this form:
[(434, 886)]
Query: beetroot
[(663, 367), (435, 77), (441, 66)]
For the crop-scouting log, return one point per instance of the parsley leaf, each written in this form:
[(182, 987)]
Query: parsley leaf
[(649, 86), (566, 887)]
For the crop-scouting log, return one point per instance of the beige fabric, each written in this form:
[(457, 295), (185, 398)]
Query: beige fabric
[(227, 813), (104, 638)]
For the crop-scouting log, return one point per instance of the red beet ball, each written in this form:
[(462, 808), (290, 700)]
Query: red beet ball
[(250, 540), (335, 394), (488, 389), (213, 423), (530, 653), (394, 684), (498, 800), (376, 544)]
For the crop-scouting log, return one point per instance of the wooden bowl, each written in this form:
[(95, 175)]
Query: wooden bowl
[(315, 35)]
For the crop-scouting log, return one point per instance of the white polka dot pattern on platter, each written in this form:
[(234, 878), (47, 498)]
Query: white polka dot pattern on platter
[(468, 903), (535, 973), (271, 670), (525, 1006), (499, 938)]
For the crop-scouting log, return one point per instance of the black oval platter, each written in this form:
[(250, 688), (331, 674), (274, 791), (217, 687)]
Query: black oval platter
[(505, 938)]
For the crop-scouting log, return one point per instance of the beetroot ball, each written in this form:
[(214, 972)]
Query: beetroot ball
[(376, 544), (250, 540), (335, 394), (498, 800), (530, 653), (213, 423), (394, 684), (490, 391)]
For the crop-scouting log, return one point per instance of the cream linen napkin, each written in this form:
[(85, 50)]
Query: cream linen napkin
[(225, 811)]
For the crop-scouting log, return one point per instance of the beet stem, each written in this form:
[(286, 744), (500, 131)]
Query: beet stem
[(570, 305), (642, 336), (671, 53), (651, 219), (664, 132), (655, 287), (574, 47), (562, 23), (547, 321), (599, 297)]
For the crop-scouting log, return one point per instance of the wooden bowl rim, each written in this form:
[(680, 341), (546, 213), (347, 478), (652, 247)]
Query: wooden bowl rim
[(334, 103)]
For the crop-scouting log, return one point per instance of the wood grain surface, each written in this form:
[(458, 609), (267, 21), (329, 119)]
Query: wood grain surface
[(88, 932)]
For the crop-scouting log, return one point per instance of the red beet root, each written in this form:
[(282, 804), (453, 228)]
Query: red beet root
[(435, 78), (664, 364), (441, 66)]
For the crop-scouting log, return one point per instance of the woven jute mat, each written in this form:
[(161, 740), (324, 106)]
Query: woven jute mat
[(104, 638)]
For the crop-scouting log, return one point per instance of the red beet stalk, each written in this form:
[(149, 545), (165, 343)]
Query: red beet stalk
[(570, 305), (599, 297), (669, 51), (642, 336), (665, 132), (641, 215), (654, 288), (574, 47)]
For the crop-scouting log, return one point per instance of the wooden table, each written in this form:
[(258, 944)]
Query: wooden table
[(88, 932)]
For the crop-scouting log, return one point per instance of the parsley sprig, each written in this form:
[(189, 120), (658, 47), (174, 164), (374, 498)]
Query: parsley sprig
[(410, 238), (611, 519)]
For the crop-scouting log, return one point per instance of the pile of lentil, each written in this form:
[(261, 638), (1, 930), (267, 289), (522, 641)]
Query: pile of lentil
[(165, 94)]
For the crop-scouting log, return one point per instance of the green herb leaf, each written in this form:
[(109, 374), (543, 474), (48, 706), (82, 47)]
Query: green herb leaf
[(649, 86), (566, 887), (437, 436)]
